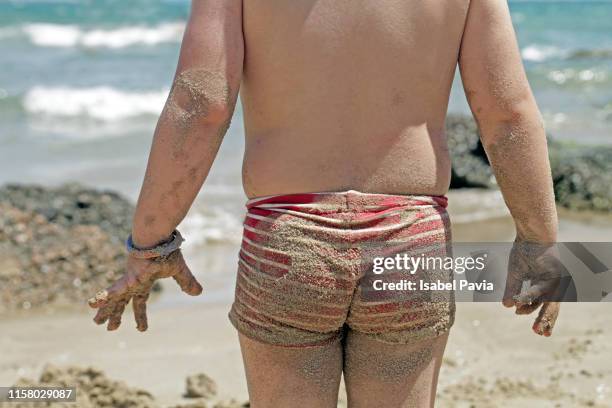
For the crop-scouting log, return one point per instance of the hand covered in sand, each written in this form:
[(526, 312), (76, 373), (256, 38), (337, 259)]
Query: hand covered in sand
[(136, 285), (540, 266)]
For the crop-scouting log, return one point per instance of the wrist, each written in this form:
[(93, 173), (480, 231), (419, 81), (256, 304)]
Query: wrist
[(161, 249), (537, 231), (142, 241)]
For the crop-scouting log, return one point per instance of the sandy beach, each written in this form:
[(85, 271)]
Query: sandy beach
[(492, 359)]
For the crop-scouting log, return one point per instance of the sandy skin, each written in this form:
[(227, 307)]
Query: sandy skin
[(136, 285), (540, 266)]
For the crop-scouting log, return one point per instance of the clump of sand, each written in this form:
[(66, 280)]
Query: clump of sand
[(481, 392), (576, 348), (96, 390), (222, 404), (200, 386), (204, 388)]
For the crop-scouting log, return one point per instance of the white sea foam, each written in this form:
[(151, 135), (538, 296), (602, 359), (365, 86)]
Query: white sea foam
[(586, 75), (472, 205), (101, 103), (57, 35), (212, 225), (539, 53)]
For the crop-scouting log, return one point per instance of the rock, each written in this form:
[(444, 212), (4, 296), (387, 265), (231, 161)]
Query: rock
[(73, 204), (48, 265), (59, 246), (582, 176), (470, 166), (200, 386)]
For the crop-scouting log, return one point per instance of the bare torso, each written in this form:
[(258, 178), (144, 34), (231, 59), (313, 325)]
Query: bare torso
[(341, 94)]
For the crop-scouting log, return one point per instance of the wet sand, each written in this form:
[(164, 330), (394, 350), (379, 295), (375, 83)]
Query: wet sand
[(492, 359)]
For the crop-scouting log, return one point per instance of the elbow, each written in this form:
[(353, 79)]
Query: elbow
[(516, 122), (218, 114), (509, 110), (200, 97)]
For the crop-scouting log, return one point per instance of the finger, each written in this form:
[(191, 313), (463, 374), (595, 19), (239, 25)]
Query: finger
[(513, 287), (528, 308), (545, 322), (99, 299), (514, 280), (534, 292), (103, 314), (139, 304), (103, 297), (115, 317), (187, 281)]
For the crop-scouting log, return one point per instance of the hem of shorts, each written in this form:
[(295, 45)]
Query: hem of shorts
[(236, 322), (411, 337)]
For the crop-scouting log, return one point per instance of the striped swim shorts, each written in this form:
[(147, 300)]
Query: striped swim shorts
[(311, 267)]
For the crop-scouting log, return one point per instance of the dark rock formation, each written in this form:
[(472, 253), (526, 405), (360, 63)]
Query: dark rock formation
[(73, 204), (470, 164), (59, 246), (582, 175)]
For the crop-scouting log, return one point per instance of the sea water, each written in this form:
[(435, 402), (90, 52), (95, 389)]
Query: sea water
[(81, 82)]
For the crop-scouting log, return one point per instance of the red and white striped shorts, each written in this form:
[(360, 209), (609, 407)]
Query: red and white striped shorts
[(305, 272)]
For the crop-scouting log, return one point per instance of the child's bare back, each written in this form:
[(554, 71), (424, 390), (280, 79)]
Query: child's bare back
[(344, 95)]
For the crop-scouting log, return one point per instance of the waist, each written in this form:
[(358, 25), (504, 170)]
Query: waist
[(345, 201), (284, 165), (261, 182)]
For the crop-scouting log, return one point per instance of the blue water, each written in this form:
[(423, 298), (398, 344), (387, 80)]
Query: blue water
[(81, 83), (567, 52)]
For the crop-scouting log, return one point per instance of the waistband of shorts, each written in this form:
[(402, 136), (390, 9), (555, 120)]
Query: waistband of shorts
[(347, 200)]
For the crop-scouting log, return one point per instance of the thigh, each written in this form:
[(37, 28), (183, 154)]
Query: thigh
[(391, 375), (292, 376)]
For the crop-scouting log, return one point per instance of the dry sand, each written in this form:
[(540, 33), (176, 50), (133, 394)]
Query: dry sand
[(493, 359), (180, 342)]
